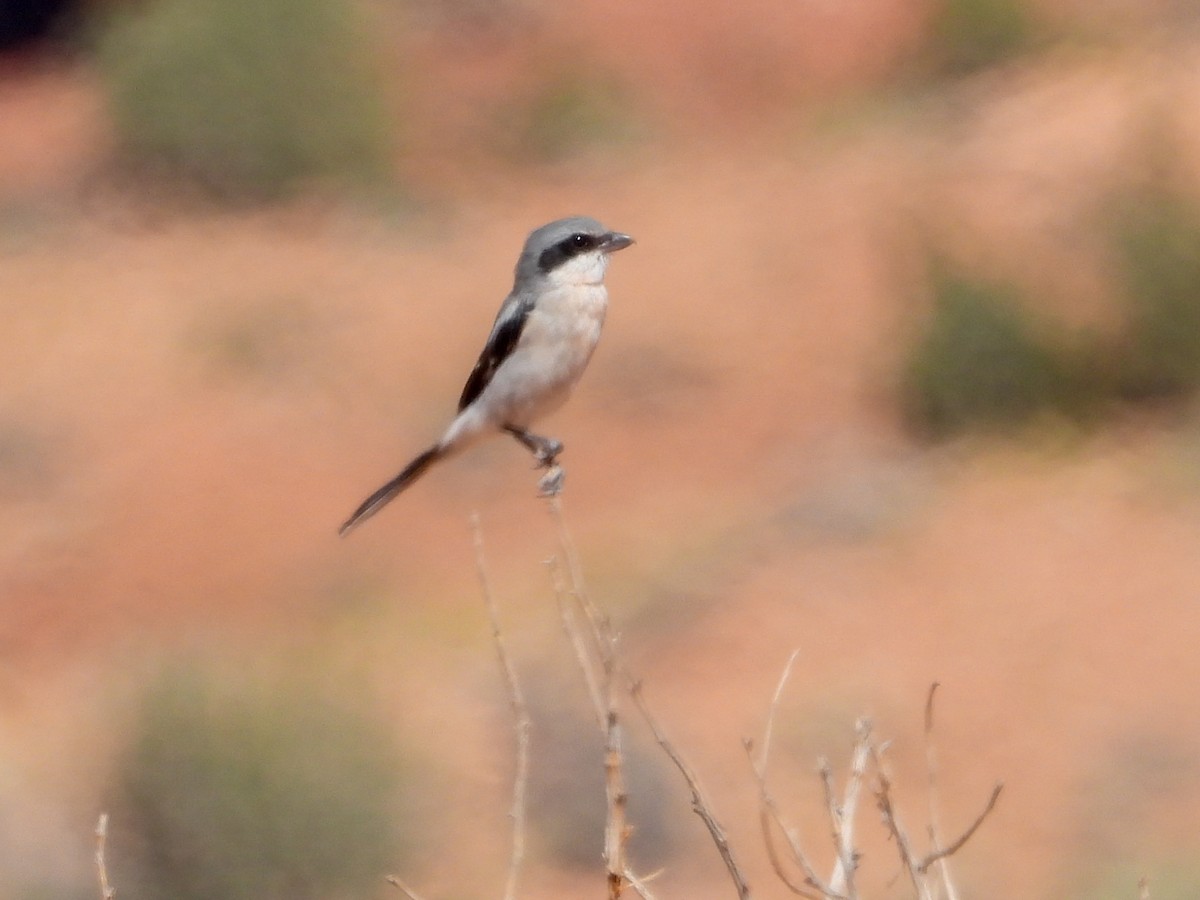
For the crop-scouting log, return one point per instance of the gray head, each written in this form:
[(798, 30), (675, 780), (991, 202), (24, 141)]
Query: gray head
[(575, 248)]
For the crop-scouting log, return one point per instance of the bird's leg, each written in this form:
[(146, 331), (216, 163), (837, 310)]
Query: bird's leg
[(545, 450)]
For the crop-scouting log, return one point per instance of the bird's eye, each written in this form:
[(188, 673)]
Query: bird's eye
[(581, 241)]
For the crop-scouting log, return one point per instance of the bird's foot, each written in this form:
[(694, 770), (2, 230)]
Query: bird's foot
[(551, 483), (546, 453)]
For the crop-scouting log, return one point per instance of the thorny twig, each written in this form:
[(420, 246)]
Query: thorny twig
[(603, 687), (605, 642)]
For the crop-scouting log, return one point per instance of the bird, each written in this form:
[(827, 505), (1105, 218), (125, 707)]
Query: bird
[(539, 346)]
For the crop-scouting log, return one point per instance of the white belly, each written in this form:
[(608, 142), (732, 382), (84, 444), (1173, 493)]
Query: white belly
[(555, 347)]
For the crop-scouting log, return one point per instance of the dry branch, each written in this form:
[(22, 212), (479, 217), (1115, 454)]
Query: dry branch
[(917, 867), (842, 879), (957, 844), (934, 827), (640, 885), (842, 814), (891, 821), (107, 891), (938, 854), (769, 811), (700, 804), (575, 638), (604, 684), (599, 664), (402, 887)]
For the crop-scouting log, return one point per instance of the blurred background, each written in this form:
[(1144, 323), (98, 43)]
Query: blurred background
[(902, 373)]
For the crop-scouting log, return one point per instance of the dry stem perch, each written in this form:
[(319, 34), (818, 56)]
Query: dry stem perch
[(841, 885), (603, 671), (596, 649), (107, 891), (597, 657)]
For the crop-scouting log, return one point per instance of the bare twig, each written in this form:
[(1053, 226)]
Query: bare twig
[(768, 810), (107, 891), (931, 768), (831, 808), (765, 750), (917, 867), (957, 844), (639, 884), (700, 804), (603, 687), (938, 854), (576, 639), (842, 880), (1143, 888), (402, 887), (891, 821), (521, 720), (616, 832)]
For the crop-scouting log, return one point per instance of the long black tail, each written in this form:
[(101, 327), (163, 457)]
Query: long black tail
[(384, 495)]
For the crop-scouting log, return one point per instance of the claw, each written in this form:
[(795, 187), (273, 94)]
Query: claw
[(551, 483), (547, 453)]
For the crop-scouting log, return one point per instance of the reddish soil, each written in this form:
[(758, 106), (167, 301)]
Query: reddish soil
[(193, 400)]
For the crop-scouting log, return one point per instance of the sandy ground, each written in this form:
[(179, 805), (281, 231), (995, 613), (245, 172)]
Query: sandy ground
[(193, 400)]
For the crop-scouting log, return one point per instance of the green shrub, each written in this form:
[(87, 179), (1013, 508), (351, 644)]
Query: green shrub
[(1156, 235), (969, 35), (248, 99), (247, 794), (983, 361)]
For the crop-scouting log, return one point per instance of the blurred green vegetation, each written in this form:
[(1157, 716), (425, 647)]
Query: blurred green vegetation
[(1155, 232), (969, 35), (248, 100), (238, 790), (984, 361)]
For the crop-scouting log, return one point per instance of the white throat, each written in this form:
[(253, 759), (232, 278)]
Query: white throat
[(584, 269)]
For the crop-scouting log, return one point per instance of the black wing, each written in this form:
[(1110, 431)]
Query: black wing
[(500, 344)]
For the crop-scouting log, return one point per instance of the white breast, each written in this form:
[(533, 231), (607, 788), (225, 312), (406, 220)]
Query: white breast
[(556, 343)]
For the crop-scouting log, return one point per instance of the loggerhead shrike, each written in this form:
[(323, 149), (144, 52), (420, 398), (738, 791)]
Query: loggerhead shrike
[(540, 344)]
